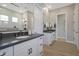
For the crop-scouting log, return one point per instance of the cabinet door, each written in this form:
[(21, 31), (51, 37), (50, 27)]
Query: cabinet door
[(44, 39), (7, 51), (21, 49), (33, 46), (53, 36), (40, 46), (37, 46), (48, 38)]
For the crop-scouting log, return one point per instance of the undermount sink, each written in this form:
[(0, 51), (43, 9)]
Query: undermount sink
[(21, 37)]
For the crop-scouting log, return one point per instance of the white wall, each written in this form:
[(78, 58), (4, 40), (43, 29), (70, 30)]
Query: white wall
[(70, 17), (38, 20), (76, 25)]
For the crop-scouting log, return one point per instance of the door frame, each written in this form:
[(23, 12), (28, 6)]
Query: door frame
[(65, 25)]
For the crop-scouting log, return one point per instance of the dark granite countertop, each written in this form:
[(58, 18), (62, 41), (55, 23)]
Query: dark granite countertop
[(48, 31), (13, 41)]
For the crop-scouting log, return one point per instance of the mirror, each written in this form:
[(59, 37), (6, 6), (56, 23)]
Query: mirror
[(48, 22)]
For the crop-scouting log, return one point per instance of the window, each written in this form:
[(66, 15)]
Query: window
[(14, 19), (3, 17)]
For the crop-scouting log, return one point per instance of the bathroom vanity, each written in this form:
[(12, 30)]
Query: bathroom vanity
[(22, 46)]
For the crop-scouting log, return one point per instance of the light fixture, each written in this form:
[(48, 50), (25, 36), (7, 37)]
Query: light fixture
[(45, 9), (20, 11), (4, 5), (49, 7)]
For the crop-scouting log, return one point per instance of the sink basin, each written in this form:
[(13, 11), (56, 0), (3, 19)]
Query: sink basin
[(21, 37)]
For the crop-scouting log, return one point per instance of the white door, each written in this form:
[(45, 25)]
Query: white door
[(76, 25), (76, 33), (60, 28), (40, 46)]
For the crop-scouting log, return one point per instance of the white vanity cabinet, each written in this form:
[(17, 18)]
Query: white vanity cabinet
[(49, 37), (7, 51), (33, 47), (29, 48)]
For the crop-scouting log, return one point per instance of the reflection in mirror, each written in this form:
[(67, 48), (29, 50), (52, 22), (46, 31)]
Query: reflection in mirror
[(48, 22), (30, 17)]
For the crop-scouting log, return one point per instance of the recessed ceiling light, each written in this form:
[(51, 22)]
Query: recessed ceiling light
[(4, 5)]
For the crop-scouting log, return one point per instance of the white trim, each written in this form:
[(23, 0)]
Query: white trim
[(60, 38), (70, 42), (66, 26), (65, 23), (65, 40), (56, 26)]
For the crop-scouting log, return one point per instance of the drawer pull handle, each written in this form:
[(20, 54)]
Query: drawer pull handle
[(29, 51)]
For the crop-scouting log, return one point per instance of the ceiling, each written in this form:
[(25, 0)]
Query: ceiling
[(21, 7), (52, 6)]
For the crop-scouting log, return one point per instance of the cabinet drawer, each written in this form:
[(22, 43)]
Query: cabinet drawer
[(41, 40)]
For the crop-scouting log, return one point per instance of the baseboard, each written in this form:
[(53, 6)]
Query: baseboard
[(60, 39), (70, 42), (63, 39)]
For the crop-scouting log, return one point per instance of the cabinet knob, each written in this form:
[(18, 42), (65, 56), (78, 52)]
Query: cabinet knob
[(41, 44), (41, 53)]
